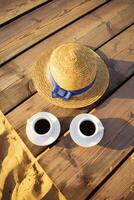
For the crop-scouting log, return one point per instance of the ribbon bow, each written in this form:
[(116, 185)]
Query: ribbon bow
[(59, 92)]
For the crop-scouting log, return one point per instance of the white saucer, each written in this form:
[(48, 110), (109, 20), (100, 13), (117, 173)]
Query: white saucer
[(47, 138), (83, 140)]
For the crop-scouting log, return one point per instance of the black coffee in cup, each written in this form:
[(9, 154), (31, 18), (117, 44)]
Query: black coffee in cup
[(42, 126), (87, 128)]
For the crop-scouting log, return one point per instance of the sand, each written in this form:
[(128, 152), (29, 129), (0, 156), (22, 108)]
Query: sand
[(21, 176)]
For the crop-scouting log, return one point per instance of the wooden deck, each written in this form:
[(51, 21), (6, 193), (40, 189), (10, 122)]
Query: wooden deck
[(65, 171)]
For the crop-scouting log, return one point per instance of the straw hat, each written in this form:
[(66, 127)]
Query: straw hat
[(74, 68)]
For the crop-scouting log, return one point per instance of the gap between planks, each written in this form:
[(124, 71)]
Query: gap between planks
[(41, 23), (123, 177), (12, 10)]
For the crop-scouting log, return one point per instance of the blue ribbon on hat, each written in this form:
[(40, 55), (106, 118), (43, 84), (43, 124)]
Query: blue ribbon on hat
[(59, 92)]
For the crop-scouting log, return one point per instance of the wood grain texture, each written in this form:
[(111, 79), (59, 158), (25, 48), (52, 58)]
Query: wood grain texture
[(105, 21), (21, 176), (76, 170), (120, 185), (12, 8), (118, 54), (36, 25)]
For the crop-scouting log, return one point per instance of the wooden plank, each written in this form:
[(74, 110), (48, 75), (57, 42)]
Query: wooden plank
[(11, 9), (36, 25), (120, 185), (21, 176), (118, 53), (85, 30), (76, 170)]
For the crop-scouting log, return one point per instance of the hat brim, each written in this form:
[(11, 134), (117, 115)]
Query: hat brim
[(44, 87)]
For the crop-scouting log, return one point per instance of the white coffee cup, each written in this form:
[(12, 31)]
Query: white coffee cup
[(43, 128), (86, 130)]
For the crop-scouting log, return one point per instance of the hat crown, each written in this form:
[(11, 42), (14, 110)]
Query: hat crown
[(73, 66)]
